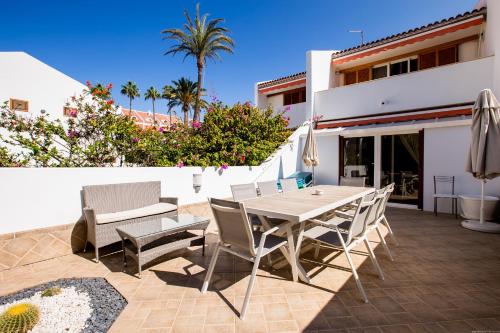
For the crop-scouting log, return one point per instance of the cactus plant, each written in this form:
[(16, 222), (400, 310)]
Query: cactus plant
[(52, 291), (19, 318)]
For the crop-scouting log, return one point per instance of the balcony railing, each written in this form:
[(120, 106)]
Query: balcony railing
[(456, 83)]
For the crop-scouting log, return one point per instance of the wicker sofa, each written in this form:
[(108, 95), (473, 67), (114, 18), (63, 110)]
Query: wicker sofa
[(107, 207)]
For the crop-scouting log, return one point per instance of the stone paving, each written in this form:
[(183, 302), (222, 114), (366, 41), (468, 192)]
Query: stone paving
[(444, 279)]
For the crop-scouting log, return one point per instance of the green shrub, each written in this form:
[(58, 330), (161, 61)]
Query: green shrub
[(19, 318), (52, 291), (98, 136)]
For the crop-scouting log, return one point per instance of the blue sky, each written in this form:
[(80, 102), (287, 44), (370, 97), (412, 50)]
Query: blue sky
[(116, 41)]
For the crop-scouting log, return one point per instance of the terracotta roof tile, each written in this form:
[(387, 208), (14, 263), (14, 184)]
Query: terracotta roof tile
[(145, 119), (411, 32), (283, 79)]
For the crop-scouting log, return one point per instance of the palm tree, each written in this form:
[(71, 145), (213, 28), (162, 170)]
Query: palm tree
[(185, 92), (131, 91), (168, 94), (153, 95), (201, 40)]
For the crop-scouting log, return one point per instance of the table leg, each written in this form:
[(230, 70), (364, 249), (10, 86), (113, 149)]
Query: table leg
[(292, 257)]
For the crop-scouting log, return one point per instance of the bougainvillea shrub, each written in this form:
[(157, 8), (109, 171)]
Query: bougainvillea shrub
[(97, 134)]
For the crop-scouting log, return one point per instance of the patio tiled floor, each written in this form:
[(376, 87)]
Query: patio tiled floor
[(444, 279)]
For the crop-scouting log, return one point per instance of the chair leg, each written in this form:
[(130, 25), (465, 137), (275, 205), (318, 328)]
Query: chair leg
[(356, 276), (316, 250), (250, 286), (456, 207), (373, 258), (386, 223), (382, 240), (96, 254), (85, 246), (211, 267), (435, 207)]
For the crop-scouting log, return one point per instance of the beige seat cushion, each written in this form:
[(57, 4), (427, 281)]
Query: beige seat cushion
[(158, 208)]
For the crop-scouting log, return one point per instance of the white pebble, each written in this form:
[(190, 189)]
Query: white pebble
[(66, 312)]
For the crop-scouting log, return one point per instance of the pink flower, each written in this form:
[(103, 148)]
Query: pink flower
[(196, 124), (247, 104), (224, 166), (210, 109), (180, 164), (109, 86), (161, 130), (73, 113), (72, 134), (88, 83), (135, 140)]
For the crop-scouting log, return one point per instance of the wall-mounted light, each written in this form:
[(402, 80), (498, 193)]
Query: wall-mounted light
[(197, 181)]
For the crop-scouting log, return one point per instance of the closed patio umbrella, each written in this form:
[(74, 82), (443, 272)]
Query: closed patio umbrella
[(484, 160), (310, 153)]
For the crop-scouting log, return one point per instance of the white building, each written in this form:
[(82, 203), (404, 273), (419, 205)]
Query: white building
[(30, 86), (397, 109)]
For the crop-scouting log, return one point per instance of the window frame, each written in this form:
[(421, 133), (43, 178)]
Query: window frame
[(13, 100)]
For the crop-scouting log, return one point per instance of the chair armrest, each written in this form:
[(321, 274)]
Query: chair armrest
[(171, 200), (89, 214), (343, 215), (270, 231)]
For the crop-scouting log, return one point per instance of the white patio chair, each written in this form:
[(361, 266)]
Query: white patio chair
[(288, 184), (353, 181), (237, 238), (383, 219), (332, 234), (243, 191), (380, 217), (268, 188), (444, 188)]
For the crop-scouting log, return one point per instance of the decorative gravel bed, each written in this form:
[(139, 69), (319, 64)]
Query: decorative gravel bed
[(88, 305)]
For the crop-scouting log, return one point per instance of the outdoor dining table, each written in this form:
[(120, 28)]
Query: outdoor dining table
[(299, 206)]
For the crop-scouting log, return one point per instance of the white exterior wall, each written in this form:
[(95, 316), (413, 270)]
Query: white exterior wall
[(45, 88), (445, 154), (319, 77), (468, 51), (276, 102), (456, 83), (493, 35), (327, 172)]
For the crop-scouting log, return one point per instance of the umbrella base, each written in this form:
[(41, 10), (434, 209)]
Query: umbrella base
[(483, 227)]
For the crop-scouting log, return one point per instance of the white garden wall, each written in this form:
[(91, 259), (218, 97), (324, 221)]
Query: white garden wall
[(32, 198), (42, 197)]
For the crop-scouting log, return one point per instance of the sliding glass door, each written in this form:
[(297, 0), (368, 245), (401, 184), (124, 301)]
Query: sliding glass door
[(357, 158), (400, 164)]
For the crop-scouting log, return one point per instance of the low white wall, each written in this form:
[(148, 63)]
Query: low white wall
[(33, 198), (445, 152), (42, 197)]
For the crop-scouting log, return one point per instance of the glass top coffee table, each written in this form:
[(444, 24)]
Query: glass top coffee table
[(149, 240)]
